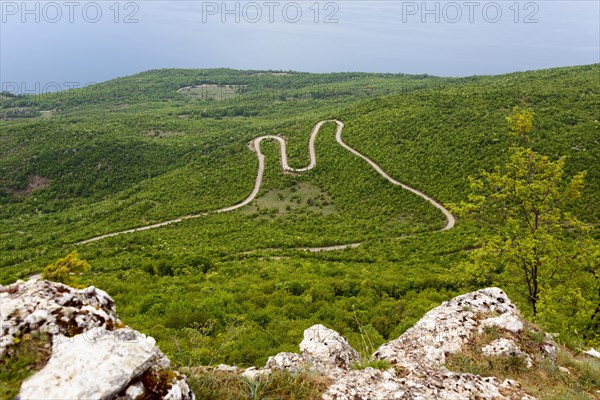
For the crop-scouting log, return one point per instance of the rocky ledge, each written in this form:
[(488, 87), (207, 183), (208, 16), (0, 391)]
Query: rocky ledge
[(417, 359), (94, 356)]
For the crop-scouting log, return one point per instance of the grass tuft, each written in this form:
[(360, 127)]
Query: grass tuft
[(28, 355), (210, 384)]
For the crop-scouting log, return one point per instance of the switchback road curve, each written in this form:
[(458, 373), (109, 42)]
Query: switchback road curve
[(255, 146)]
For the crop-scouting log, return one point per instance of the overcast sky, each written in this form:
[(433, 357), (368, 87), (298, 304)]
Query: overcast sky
[(78, 42)]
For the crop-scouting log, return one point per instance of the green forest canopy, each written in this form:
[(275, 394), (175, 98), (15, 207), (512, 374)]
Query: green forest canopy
[(134, 151)]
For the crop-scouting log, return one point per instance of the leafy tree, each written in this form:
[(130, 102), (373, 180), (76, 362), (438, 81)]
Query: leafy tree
[(63, 268), (535, 248), (521, 124), (572, 307)]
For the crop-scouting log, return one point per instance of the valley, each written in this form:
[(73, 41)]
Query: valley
[(225, 276)]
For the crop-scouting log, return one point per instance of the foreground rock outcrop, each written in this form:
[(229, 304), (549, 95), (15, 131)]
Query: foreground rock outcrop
[(418, 357), (52, 308), (94, 356)]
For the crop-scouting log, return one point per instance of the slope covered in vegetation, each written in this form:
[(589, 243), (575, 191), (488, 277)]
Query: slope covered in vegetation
[(234, 287)]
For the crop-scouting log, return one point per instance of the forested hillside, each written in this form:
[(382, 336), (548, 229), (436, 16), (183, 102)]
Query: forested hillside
[(236, 287)]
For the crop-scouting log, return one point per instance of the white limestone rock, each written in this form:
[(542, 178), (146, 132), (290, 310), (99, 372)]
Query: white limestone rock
[(592, 353), (285, 361), (445, 329), (226, 368), (372, 384), (90, 358), (134, 390), (95, 366), (180, 390), (504, 347), (100, 364), (253, 373), (324, 347), (42, 306), (506, 321), (369, 383), (418, 356)]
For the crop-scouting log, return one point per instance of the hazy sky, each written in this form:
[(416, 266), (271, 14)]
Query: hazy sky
[(73, 43)]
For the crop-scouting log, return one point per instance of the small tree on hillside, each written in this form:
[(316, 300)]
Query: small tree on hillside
[(63, 269), (535, 243)]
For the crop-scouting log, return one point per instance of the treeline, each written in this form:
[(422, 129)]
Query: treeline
[(162, 85)]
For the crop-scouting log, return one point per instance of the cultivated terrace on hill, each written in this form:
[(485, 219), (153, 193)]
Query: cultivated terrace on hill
[(237, 287)]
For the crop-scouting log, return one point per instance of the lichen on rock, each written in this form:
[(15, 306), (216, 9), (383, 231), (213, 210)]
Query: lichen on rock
[(53, 308)]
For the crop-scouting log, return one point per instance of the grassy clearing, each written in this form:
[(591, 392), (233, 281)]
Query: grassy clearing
[(302, 196), (212, 92), (47, 113), (210, 384), (34, 182)]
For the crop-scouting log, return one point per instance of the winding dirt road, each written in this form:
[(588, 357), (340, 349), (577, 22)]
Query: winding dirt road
[(255, 146)]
